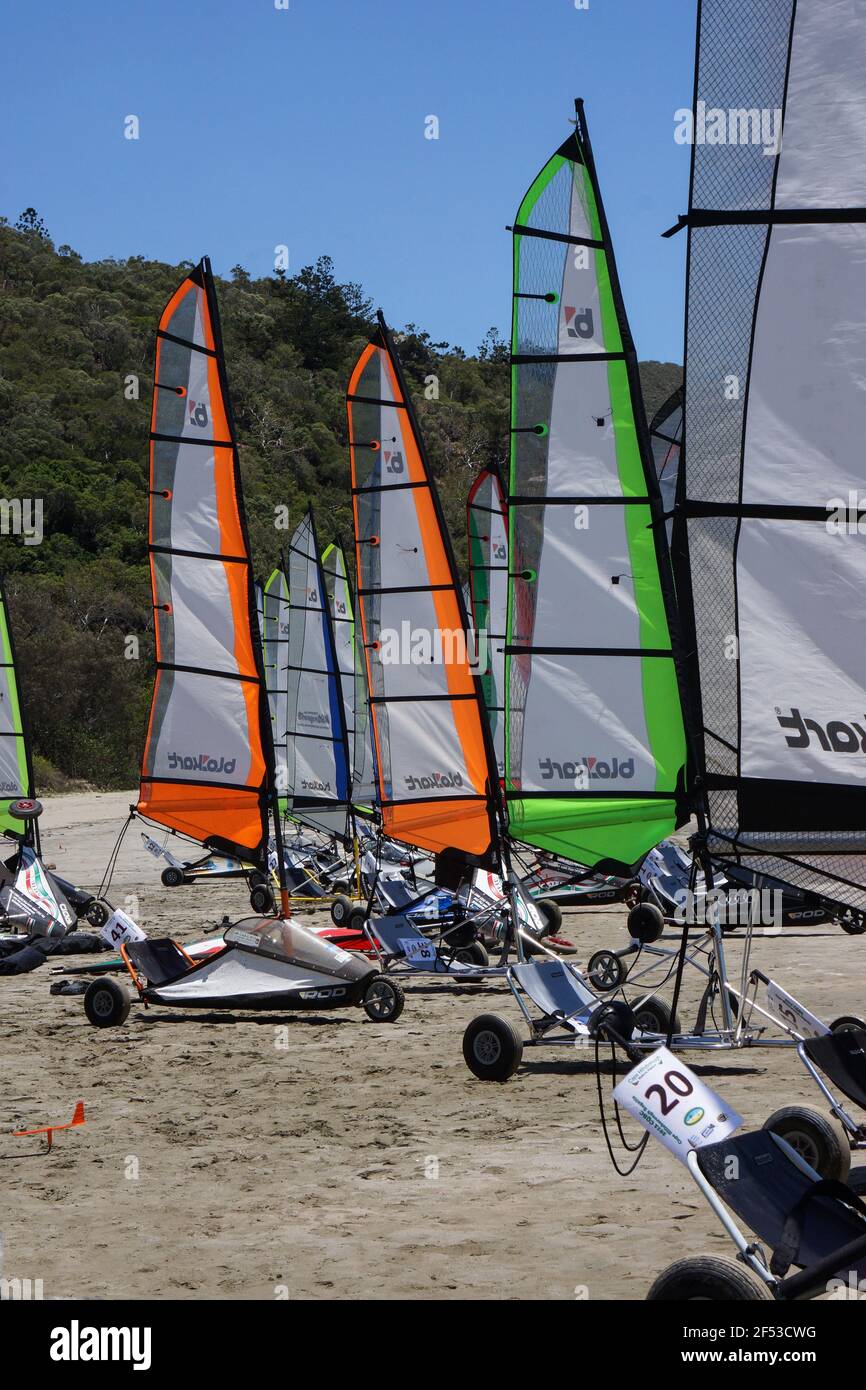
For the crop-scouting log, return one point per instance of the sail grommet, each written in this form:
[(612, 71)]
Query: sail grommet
[(540, 429), (374, 541), (551, 297)]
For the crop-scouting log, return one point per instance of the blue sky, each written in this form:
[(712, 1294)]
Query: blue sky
[(305, 127)]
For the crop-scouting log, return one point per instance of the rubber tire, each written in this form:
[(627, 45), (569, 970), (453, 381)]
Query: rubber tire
[(473, 954), (262, 900), (341, 909), (857, 1181), (645, 923), (341, 887), (356, 919), (97, 913), (113, 1004), (852, 926), (505, 1049), (381, 984), (171, 877), (847, 1023), (662, 1012), (612, 962), (817, 1137), (708, 1278), (551, 914), (255, 878)]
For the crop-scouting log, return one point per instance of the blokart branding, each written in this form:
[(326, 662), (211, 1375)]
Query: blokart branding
[(836, 736), (394, 461), (587, 770), (197, 414), (201, 762), (312, 784), (578, 322), (8, 787), (434, 781)]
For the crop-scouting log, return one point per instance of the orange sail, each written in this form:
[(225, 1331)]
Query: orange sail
[(206, 770), (432, 743)]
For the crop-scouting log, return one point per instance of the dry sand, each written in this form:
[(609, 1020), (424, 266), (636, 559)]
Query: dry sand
[(304, 1170)]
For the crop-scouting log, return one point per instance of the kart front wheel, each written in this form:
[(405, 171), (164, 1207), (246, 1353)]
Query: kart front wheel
[(383, 1000), (708, 1277), (341, 909), (492, 1048), (172, 877), (262, 900), (98, 912), (106, 1003), (817, 1137)]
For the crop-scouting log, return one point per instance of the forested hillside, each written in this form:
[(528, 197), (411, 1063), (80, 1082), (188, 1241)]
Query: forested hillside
[(76, 354)]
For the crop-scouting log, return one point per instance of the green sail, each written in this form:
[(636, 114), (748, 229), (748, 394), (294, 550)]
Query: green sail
[(595, 744), (15, 777)]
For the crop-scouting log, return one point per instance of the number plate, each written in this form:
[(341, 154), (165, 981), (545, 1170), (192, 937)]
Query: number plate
[(119, 928), (675, 1105)]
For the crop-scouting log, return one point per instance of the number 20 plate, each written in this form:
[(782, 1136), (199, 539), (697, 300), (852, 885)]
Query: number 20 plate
[(675, 1105)]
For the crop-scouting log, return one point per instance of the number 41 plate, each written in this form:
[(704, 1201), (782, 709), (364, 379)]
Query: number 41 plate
[(675, 1105)]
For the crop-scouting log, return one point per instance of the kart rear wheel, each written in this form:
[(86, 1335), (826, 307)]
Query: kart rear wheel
[(817, 1137), (473, 954), (606, 971), (341, 909), (645, 923), (340, 886), (492, 1048), (356, 919), (847, 1023), (98, 912), (262, 900), (551, 913), (106, 1003), (172, 877), (708, 1278), (853, 924), (654, 1016), (383, 1000)]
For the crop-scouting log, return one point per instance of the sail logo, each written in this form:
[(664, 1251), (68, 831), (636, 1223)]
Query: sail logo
[(312, 596), (394, 462), (578, 323), (8, 787), (500, 551), (201, 762), (436, 781), (313, 717), (312, 784), (587, 769), (197, 414), (737, 125), (834, 737)]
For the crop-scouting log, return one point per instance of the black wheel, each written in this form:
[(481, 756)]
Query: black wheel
[(645, 923), (255, 877), (172, 877), (25, 808), (383, 1000), (473, 954), (551, 914), (492, 1048), (106, 1003), (708, 1278), (857, 1181), (853, 924), (340, 886), (98, 912), (341, 909), (262, 900), (847, 1023), (606, 971), (356, 919), (654, 1016), (817, 1137), (614, 1021)]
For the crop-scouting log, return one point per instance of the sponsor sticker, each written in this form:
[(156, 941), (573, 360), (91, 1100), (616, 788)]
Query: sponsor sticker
[(675, 1105)]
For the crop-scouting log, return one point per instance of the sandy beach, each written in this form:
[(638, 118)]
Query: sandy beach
[(329, 1157)]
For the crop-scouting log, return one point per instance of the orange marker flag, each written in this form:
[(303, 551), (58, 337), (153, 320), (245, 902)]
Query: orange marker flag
[(49, 1130)]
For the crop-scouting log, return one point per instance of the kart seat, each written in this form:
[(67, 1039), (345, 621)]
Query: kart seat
[(842, 1057), (554, 988), (805, 1221), (159, 959)]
